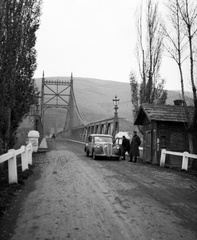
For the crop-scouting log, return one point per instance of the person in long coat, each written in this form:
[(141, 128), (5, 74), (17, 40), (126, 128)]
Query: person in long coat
[(134, 148), (125, 146)]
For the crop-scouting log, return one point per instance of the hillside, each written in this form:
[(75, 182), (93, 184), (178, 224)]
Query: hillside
[(94, 100)]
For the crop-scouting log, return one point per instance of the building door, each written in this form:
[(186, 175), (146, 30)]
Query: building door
[(148, 146)]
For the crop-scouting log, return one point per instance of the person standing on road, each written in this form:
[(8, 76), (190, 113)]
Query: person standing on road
[(125, 146), (134, 150)]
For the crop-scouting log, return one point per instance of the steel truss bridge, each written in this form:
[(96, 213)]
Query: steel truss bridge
[(60, 94)]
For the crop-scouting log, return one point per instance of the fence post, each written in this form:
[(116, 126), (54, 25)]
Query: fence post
[(29, 153), (12, 168), (185, 161), (163, 158), (24, 159)]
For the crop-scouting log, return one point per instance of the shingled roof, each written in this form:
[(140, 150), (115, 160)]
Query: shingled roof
[(167, 113)]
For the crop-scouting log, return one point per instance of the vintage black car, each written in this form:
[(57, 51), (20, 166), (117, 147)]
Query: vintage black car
[(101, 145)]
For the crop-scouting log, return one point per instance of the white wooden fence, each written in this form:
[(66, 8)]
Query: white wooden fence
[(141, 152), (185, 157), (10, 156)]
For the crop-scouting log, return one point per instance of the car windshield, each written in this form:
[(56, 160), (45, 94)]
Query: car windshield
[(103, 139)]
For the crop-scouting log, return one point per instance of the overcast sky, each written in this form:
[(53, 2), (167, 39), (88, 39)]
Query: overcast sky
[(92, 38)]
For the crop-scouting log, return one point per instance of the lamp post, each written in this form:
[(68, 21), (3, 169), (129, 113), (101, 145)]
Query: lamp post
[(116, 122)]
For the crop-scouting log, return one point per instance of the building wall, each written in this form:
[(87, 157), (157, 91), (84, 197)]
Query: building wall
[(173, 137), (164, 135)]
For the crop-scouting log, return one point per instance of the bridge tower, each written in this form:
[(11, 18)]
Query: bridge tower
[(56, 94)]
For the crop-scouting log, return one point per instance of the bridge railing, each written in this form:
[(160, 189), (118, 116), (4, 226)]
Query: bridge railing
[(11, 157), (185, 158)]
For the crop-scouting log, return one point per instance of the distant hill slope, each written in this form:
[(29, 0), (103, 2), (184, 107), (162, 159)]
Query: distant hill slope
[(94, 100)]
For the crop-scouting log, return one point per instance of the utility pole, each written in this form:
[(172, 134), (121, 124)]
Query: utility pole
[(116, 121)]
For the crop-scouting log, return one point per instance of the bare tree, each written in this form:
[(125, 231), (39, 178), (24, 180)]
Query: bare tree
[(149, 54), (175, 43), (150, 87), (188, 12), (182, 39)]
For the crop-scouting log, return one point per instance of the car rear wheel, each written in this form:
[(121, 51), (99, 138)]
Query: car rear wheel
[(118, 158), (87, 153)]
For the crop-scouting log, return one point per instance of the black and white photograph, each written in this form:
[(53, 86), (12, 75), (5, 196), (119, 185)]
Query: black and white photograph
[(98, 119)]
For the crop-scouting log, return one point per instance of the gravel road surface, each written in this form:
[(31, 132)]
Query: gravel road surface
[(78, 198)]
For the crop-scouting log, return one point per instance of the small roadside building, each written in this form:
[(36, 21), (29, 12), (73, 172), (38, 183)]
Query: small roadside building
[(163, 128)]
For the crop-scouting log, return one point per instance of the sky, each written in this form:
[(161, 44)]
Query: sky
[(93, 39)]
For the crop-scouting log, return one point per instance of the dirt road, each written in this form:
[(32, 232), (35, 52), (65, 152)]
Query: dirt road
[(81, 199)]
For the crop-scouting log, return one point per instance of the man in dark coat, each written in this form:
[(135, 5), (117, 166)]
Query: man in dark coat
[(134, 150), (125, 146)]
